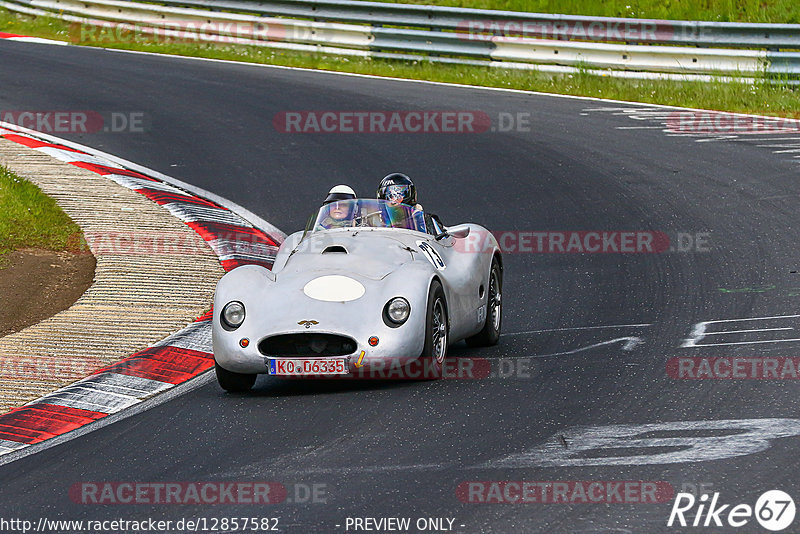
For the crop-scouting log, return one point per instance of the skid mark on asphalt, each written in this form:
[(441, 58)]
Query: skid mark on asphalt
[(629, 343), (575, 328)]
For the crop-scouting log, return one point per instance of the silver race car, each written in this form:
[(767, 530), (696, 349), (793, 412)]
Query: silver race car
[(367, 285)]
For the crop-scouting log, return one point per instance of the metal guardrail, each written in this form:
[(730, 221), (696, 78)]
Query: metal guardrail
[(541, 25), (452, 35)]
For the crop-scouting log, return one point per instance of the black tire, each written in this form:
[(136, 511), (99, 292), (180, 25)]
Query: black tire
[(233, 382), (490, 334), (437, 332)]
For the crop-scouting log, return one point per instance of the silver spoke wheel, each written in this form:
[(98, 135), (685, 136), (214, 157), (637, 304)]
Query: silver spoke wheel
[(494, 301), (493, 321), (434, 350), (439, 331)]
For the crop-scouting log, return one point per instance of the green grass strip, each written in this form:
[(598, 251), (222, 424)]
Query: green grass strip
[(31, 219)]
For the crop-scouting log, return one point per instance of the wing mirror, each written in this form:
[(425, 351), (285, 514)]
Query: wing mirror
[(459, 232)]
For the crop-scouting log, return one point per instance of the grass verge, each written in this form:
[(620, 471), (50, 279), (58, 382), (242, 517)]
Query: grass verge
[(31, 219), (760, 97)]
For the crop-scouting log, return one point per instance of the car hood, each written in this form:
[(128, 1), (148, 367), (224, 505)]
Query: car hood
[(366, 253)]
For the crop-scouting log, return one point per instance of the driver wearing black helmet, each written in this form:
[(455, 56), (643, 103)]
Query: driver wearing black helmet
[(399, 189)]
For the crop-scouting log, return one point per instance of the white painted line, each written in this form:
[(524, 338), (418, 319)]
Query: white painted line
[(699, 331), (193, 213), (196, 336), (442, 84), (750, 319), (793, 145), (85, 396), (68, 156), (746, 331), (645, 106), (139, 183), (129, 384), (228, 249), (599, 327), (746, 342), (715, 138), (38, 40), (249, 257), (7, 446)]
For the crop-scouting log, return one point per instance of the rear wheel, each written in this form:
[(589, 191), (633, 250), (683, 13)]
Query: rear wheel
[(233, 382), (490, 334), (434, 352)]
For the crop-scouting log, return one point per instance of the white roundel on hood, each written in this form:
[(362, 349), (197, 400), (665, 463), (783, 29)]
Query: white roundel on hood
[(334, 288)]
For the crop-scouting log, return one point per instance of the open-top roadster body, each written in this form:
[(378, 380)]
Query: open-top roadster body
[(368, 283)]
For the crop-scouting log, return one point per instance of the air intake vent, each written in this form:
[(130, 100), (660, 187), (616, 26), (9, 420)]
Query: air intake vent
[(335, 249), (307, 345)]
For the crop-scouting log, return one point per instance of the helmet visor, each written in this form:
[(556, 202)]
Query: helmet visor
[(397, 193), (341, 210)]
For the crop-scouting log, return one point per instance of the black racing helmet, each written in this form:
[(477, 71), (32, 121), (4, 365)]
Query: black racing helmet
[(397, 185)]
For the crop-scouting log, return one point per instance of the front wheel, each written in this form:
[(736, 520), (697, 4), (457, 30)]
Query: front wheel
[(233, 382), (490, 334), (434, 352)]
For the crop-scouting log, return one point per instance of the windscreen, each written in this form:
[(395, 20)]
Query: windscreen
[(369, 213)]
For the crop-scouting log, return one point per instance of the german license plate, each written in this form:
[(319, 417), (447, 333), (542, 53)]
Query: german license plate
[(299, 367)]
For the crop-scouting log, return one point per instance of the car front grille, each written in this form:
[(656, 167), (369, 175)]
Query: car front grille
[(307, 345)]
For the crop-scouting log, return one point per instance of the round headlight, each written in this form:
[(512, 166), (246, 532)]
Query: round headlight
[(233, 314), (397, 310)]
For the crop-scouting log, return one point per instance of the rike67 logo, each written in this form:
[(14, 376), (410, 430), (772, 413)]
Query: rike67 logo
[(774, 510)]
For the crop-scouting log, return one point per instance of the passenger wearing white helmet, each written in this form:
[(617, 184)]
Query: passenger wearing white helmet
[(340, 213), (339, 192)]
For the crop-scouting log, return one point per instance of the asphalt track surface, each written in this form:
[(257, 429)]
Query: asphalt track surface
[(400, 449)]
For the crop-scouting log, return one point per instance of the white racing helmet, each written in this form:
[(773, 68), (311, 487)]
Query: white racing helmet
[(339, 192)]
